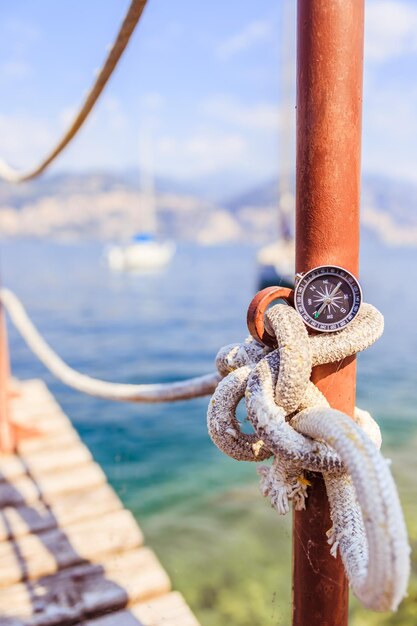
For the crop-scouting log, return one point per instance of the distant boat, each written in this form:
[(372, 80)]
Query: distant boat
[(142, 254), (276, 263), (145, 251)]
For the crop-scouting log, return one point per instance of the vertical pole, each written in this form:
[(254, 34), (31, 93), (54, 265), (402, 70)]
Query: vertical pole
[(329, 110), (7, 440)]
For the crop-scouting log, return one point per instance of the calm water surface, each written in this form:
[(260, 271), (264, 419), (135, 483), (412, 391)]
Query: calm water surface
[(167, 326)]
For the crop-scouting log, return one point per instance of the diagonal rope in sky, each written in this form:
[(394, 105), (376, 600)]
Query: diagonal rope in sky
[(130, 21)]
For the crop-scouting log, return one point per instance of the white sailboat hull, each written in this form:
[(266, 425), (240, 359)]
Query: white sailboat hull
[(276, 263), (141, 256)]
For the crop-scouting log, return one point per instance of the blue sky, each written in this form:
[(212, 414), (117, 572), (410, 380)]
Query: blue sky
[(204, 76)]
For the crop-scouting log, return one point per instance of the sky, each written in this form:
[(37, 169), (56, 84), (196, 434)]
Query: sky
[(201, 82)]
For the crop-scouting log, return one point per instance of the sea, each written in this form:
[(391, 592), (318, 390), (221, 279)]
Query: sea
[(166, 326)]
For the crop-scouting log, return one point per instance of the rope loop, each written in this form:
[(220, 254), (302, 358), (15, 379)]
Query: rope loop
[(293, 423)]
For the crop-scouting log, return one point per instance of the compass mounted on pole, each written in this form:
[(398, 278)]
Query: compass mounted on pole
[(327, 297)]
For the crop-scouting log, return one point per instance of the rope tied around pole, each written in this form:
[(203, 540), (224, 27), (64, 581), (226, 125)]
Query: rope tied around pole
[(294, 423)]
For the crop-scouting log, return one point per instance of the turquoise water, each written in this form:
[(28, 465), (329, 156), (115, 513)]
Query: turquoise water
[(167, 326), (195, 505)]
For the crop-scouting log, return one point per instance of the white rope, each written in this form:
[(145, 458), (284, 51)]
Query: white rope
[(159, 392), (293, 422)]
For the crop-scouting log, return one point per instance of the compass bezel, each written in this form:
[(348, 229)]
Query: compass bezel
[(332, 270)]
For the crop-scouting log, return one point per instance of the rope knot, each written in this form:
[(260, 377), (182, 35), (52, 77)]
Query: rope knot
[(293, 423)]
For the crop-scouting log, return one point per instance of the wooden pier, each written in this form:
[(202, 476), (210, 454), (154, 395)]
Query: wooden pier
[(69, 552)]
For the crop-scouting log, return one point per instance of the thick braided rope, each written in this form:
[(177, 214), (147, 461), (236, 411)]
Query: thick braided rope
[(293, 422)]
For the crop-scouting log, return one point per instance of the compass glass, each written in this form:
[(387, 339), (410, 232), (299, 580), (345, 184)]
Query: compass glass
[(328, 298)]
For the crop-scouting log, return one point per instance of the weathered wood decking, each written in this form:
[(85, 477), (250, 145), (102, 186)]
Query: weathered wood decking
[(69, 552)]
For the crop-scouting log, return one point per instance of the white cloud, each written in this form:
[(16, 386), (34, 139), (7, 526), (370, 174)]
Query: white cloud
[(24, 139), (115, 117), (390, 29), (20, 32), (152, 101), (390, 131), (253, 33), (15, 69), (201, 153), (260, 116), (107, 141)]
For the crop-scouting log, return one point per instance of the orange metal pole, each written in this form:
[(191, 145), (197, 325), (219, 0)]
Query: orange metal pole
[(7, 437), (329, 112)]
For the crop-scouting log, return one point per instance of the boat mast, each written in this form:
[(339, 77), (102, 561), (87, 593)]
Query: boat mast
[(147, 217), (286, 133), (329, 111)]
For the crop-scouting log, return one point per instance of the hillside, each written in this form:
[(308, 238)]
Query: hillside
[(110, 207)]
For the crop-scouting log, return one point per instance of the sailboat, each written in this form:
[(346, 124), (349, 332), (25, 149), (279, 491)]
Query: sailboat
[(145, 251), (276, 261)]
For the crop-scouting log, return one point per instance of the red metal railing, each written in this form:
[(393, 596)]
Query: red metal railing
[(7, 437)]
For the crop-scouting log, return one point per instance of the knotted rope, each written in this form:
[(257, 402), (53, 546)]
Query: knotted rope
[(293, 422)]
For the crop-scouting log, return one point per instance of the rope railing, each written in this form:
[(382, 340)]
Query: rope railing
[(157, 392), (129, 23)]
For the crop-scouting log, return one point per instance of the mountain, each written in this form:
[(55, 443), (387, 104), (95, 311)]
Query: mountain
[(389, 207), (109, 206)]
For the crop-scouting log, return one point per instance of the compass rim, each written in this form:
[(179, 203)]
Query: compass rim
[(356, 297)]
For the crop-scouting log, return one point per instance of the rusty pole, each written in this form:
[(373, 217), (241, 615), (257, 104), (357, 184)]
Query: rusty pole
[(329, 111), (7, 439)]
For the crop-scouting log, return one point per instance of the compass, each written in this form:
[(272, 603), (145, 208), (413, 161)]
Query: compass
[(328, 298)]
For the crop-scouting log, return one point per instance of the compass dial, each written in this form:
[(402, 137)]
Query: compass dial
[(327, 298)]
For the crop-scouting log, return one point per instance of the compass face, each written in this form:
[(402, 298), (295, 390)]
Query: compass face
[(328, 298)]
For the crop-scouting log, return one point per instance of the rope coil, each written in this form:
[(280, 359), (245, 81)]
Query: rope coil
[(293, 422)]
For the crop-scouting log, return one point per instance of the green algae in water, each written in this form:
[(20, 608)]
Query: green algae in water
[(232, 559)]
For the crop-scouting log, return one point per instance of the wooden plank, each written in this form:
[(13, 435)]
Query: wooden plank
[(32, 556), (36, 406), (67, 509), (24, 490), (47, 420), (69, 552), (169, 610), (36, 463), (40, 411), (48, 441), (86, 589), (30, 386)]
